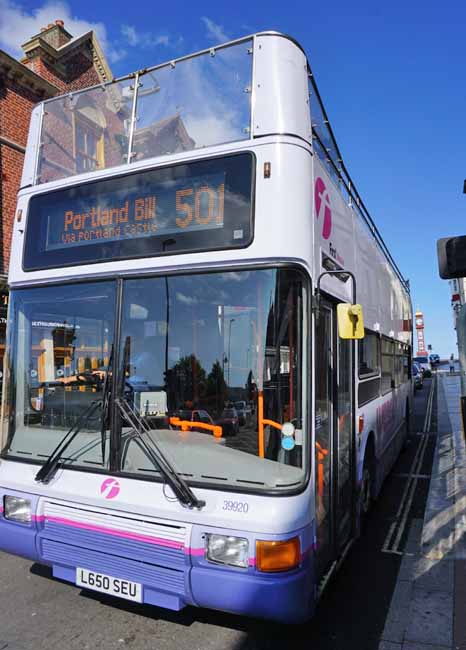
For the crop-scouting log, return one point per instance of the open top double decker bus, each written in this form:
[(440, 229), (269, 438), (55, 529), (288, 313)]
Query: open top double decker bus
[(182, 422)]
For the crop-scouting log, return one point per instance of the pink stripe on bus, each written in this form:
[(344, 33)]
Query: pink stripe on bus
[(118, 533), (195, 551)]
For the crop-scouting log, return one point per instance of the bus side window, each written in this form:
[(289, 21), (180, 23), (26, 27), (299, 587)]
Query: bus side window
[(369, 354)]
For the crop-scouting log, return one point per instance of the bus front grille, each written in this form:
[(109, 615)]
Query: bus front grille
[(170, 580), (141, 549)]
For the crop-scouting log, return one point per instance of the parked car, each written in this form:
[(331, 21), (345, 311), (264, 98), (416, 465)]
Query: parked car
[(417, 377), (229, 421), (434, 359), (424, 364)]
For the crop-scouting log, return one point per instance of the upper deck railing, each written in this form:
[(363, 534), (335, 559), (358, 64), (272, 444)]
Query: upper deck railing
[(189, 103), (325, 146)]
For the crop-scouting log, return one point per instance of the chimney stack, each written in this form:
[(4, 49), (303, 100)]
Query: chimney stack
[(54, 35)]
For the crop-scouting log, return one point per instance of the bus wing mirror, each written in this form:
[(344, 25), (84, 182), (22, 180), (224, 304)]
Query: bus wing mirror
[(451, 252), (350, 321)]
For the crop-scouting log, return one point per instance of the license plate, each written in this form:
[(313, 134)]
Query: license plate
[(109, 585)]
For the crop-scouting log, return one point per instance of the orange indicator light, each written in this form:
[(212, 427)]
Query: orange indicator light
[(277, 555)]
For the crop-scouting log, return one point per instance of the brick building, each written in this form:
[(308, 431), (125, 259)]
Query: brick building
[(54, 63)]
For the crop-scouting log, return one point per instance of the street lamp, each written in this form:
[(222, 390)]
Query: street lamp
[(231, 320)]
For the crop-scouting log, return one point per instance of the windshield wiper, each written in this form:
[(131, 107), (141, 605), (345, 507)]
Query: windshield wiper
[(48, 469), (150, 448), (106, 395)]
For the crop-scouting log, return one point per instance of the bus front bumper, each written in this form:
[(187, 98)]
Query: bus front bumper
[(170, 577)]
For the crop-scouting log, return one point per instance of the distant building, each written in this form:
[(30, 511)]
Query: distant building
[(54, 62), (421, 343)]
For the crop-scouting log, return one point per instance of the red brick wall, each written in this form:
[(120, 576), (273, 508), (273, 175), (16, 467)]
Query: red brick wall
[(16, 104), (11, 163), (75, 73)]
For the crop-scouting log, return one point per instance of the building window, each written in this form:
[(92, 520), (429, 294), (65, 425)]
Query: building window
[(89, 145)]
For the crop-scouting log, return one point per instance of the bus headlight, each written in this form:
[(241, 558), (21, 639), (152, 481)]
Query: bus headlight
[(225, 549), (17, 509)]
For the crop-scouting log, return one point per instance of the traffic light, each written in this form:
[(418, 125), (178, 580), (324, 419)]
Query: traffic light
[(451, 253)]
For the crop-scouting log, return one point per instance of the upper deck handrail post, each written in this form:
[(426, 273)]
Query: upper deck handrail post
[(132, 125), (36, 172)]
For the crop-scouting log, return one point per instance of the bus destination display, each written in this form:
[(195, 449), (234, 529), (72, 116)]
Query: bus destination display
[(196, 206), (164, 209)]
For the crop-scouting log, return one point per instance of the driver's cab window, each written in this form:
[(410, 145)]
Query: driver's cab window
[(60, 353)]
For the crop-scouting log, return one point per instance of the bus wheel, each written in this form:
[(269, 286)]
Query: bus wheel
[(366, 490), (365, 493)]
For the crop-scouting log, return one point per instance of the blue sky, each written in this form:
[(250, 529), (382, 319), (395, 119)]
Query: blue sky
[(392, 78)]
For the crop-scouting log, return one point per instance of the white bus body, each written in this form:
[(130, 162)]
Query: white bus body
[(261, 545)]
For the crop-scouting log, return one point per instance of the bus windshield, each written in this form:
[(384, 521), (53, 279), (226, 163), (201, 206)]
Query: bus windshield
[(59, 349), (192, 347)]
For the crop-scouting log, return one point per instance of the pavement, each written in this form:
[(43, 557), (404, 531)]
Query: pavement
[(428, 603)]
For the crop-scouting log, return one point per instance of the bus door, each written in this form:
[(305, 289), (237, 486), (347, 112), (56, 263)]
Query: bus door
[(333, 439)]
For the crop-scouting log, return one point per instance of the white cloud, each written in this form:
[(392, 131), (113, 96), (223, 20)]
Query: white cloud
[(162, 40), (215, 32), (129, 32), (211, 129), (17, 25), (143, 39), (186, 300), (115, 55), (235, 277)]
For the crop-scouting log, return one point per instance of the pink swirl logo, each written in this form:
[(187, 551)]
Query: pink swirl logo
[(110, 488), (322, 203)]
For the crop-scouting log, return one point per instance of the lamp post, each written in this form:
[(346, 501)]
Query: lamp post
[(231, 320)]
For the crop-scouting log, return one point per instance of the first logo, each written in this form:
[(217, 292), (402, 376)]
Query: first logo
[(110, 488)]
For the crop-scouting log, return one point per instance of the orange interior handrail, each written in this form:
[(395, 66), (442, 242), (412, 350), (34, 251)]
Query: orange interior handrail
[(272, 423), (262, 422), (321, 453), (187, 424)]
